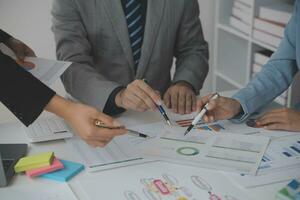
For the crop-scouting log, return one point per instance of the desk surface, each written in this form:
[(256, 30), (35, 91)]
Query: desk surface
[(60, 148)]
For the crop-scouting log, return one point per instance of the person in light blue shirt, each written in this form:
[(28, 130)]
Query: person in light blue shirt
[(276, 76)]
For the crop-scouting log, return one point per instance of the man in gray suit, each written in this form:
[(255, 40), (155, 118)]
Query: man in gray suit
[(117, 43)]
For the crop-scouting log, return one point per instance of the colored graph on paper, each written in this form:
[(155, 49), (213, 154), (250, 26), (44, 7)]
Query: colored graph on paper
[(215, 127), (282, 153)]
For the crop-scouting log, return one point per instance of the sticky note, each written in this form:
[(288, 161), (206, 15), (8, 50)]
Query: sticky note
[(56, 165), (70, 169), (34, 162)]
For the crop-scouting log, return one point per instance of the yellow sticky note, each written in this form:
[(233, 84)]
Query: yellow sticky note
[(33, 162)]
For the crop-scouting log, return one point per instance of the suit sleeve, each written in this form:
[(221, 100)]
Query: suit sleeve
[(23, 94), (191, 49), (4, 36), (275, 77), (81, 80)]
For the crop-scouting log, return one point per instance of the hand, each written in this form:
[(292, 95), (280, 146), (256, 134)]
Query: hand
[(281, 119), (180, 98), (219, 109), (82, 119), (21, 50), (138, 96)]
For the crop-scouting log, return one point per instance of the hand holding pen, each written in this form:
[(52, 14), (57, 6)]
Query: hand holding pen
[(161, 109), (201, 113), (221, 108), (137, 96)]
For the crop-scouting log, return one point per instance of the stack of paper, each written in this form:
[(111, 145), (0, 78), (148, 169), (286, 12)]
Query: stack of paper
[(271, 21), (227, 152), (281, 162), (241, 18)]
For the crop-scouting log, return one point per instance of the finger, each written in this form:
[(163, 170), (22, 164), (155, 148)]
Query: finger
[(188, 103), (181, 102), (96, 144), (107, 120), (194, 101), (202, 101), (149, 91), (167, 100), (29, 52), (143, 96), (277, 126), (20, 52), (135, 103), (212, 105), (109, 134), (269, 120), (25, 64), (205, 118), (269, 115), (174, 102)]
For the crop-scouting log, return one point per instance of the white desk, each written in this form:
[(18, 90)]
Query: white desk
[(59, 147)]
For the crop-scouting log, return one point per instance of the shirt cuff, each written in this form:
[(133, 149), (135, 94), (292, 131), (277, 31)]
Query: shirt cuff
[(241, 117), (111, 107)]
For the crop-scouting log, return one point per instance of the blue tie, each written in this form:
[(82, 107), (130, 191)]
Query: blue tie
[(133, 13)]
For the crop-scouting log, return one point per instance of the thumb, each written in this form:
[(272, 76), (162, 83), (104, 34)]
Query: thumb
[(107, 120), (212, 105)]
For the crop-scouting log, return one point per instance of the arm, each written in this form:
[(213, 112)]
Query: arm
[(81, 80), (191, 49), (276, 76), (21, 92), (27, 97), (4, 36)]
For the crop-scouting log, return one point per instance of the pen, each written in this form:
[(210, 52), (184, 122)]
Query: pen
[(100, 124), (161, 109), (201, 114)]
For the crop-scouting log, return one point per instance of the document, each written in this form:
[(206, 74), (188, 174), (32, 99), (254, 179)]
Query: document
[(118, 153), (226, 126), (34, 191), (281, 162), (46, 129), (47, 71), (160, 181), (228, 152)]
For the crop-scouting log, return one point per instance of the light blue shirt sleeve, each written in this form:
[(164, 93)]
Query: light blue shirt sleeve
[(275, 77)]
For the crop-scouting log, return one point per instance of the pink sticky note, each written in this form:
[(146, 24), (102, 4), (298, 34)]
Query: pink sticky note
[(56, 165)]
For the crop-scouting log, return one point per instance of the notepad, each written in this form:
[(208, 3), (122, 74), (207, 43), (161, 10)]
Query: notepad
[(34, 162), (70, 170), (56, 165)]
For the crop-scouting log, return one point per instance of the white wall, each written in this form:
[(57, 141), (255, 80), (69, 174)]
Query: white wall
[(30, 21)]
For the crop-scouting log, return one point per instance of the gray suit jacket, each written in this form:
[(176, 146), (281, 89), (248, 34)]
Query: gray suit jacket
[(93, 34)]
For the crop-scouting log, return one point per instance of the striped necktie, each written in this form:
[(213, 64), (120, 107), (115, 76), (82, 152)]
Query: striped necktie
[(134, 17)]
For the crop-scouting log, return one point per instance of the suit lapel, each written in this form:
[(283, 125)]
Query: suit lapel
[(155, 10), (116, 14)]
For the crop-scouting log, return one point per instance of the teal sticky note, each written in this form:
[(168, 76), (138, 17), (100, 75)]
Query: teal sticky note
[(70, 170)]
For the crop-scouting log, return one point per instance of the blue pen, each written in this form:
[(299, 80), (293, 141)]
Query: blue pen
[(163, 112), (161, 109)]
